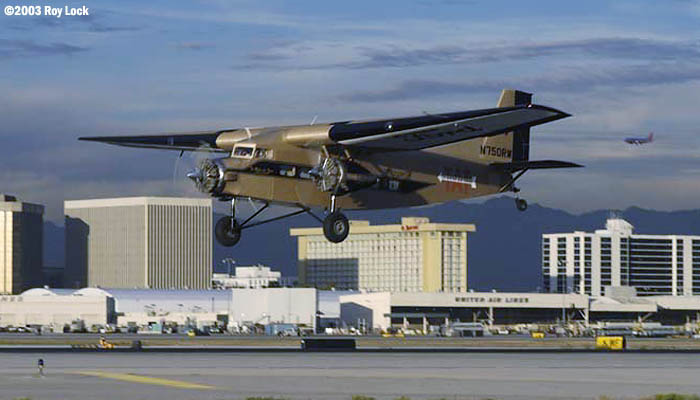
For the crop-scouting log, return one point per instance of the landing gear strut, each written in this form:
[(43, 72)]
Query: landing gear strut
[(336, 225), (227, 230), (520, 204)]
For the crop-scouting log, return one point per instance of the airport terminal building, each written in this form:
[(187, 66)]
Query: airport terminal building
[(421, 310), (585, 263), (311, 308)]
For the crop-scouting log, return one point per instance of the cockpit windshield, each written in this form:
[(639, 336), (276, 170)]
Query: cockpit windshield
[(243, 151), (251, 151)]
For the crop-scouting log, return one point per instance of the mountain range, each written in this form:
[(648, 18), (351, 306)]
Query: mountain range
[(503, 253)]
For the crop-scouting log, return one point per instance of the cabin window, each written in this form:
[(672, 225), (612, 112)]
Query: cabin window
[(263, 153), (243, 151), (288, 170)]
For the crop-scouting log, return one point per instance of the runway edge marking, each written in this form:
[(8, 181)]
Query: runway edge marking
[(146, 380)]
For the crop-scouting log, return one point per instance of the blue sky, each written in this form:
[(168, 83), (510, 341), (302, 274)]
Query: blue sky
[(622, 68)]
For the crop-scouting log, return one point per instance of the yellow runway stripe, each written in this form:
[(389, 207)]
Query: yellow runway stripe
[(146, 379)]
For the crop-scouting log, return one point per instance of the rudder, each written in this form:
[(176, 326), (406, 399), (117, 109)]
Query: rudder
[(521, 137)]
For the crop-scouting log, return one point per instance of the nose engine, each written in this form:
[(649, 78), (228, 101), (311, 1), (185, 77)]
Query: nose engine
[(208, 176)]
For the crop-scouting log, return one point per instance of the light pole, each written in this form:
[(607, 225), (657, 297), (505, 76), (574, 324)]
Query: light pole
[(229, 262)]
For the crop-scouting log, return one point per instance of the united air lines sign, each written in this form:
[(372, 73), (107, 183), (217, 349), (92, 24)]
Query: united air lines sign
[(479, 300), (488, 299)]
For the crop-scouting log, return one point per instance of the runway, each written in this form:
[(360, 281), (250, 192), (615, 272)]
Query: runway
[(341, 375)]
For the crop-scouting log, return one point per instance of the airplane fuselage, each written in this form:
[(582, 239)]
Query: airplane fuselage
[(268, 169)]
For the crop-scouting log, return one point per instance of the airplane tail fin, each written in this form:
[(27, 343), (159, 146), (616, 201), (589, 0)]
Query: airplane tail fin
[(520, 141), (506, 147), (651, 137)]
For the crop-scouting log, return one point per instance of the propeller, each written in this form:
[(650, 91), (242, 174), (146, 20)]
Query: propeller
[(188, 165)]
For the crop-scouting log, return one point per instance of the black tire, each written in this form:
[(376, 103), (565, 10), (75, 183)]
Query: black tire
[(227, 231), (336, 227), (521, 204)]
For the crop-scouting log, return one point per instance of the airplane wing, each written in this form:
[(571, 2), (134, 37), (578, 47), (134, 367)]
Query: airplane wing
[(422, 132), (190, 141)]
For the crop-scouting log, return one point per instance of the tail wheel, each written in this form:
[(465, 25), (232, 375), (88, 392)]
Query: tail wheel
[(336, 227), (227, 231), (521, 204)]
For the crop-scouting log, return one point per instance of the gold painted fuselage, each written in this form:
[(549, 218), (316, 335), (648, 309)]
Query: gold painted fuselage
[(401, 179)]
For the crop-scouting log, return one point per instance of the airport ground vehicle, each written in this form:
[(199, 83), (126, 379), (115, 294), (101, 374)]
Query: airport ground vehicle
[(466, 329)]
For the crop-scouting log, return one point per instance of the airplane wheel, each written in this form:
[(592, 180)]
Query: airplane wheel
[(336, 227), (521, 204), (227, 231)]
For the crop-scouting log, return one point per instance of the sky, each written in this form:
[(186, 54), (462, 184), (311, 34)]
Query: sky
[(622, 68)]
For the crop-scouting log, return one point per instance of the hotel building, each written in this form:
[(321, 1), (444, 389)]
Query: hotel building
[(414, 256)]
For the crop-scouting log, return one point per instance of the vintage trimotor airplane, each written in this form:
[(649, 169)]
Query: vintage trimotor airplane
[(374, 164)]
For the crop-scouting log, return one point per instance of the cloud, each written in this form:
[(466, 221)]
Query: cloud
[(615, 48), (194, 45), (101, 28), (435, 3), (570, 79), (692, 5), (10, 48), (98, 23), (398, 56)]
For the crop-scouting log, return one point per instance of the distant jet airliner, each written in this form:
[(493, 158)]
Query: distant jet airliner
[(640, 141)]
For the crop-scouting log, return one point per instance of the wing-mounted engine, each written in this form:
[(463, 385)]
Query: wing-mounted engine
[(340, 177), (330, 176)]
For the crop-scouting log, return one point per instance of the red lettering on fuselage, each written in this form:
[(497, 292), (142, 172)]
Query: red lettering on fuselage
[(456, 187)]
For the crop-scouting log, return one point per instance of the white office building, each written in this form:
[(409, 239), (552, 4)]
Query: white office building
[(139, 242), (253, 277), (585, 263), (21, 245)]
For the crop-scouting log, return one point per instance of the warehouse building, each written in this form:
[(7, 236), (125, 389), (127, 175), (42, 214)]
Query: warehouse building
[(55, 308), (414, 256), (138, 307), (142, 307), (21, 245), (252, 277), (585, 263), (139, 242), (274, 305)]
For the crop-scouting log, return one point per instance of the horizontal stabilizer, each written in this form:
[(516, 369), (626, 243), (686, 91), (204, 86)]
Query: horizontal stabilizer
[(541, 164)]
